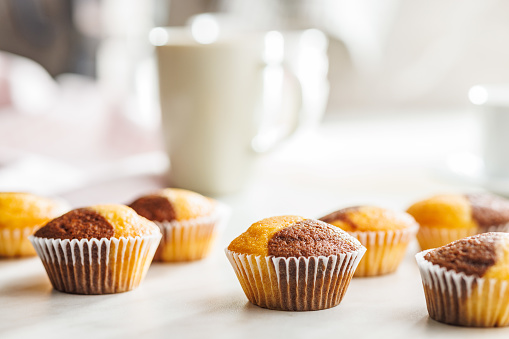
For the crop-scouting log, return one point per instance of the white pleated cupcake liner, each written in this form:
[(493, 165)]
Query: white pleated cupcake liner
[(433, 237), (495, 228), (14, 242), (385, 250), (192, 239), (295, 284), (96, 266), (460, 299)]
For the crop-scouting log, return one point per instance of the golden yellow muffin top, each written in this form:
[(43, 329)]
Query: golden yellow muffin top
[(18, 210), (484, 255), (99, 221), (173, 204), (255, 239), (453, 211), (444, 211), (369, 218), (293, 236), (501, 268)]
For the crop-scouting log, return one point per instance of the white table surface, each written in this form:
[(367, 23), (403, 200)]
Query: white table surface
[(389, 162)]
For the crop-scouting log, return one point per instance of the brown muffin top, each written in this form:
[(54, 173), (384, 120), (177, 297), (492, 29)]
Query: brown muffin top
[(369, 218), (100, 221), (488, 209), (473, 255), (81, 223), (309, 238), (342, 216), (173, 204), (293, 236), (154, 207)]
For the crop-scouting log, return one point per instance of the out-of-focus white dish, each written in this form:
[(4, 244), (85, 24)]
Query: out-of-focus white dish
[(469, 168)]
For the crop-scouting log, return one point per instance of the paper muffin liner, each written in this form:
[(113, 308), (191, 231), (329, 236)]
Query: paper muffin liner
[(193, 239), (460, 299), (96, 266), (14, 242), (385, 250), (433, 237), (495, 228), (295, 284)]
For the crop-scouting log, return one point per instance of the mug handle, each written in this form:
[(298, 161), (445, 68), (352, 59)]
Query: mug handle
[(269, 135)]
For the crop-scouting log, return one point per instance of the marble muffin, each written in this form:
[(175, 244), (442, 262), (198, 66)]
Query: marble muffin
[(190, 222), (295, 264), (21, 214), (445, 218), (97, 250), (466, 282), (385, 233)]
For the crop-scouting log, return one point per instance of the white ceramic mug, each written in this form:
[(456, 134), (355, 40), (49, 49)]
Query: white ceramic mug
[(213, 97), (493, 102)]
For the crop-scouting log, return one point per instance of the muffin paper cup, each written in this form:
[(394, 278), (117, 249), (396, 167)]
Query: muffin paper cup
[(15, 243), (433, 237), (460, 299), (96, 266), (495, 228), (193, 239), (385, 250), (295, 284)]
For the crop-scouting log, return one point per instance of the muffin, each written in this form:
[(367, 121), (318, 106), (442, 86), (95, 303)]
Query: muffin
[(189, 222), (385, 234), (20, 215), (294, 264), (466, 282), (445, 218), (97, 250)]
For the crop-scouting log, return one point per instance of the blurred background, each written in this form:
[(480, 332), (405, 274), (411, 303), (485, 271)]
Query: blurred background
[(385, 53), (78, 90)]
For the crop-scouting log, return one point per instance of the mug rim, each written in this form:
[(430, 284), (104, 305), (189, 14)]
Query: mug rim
[(183, 36)]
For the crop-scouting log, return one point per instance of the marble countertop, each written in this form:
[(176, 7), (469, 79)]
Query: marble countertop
[(350, 160)]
